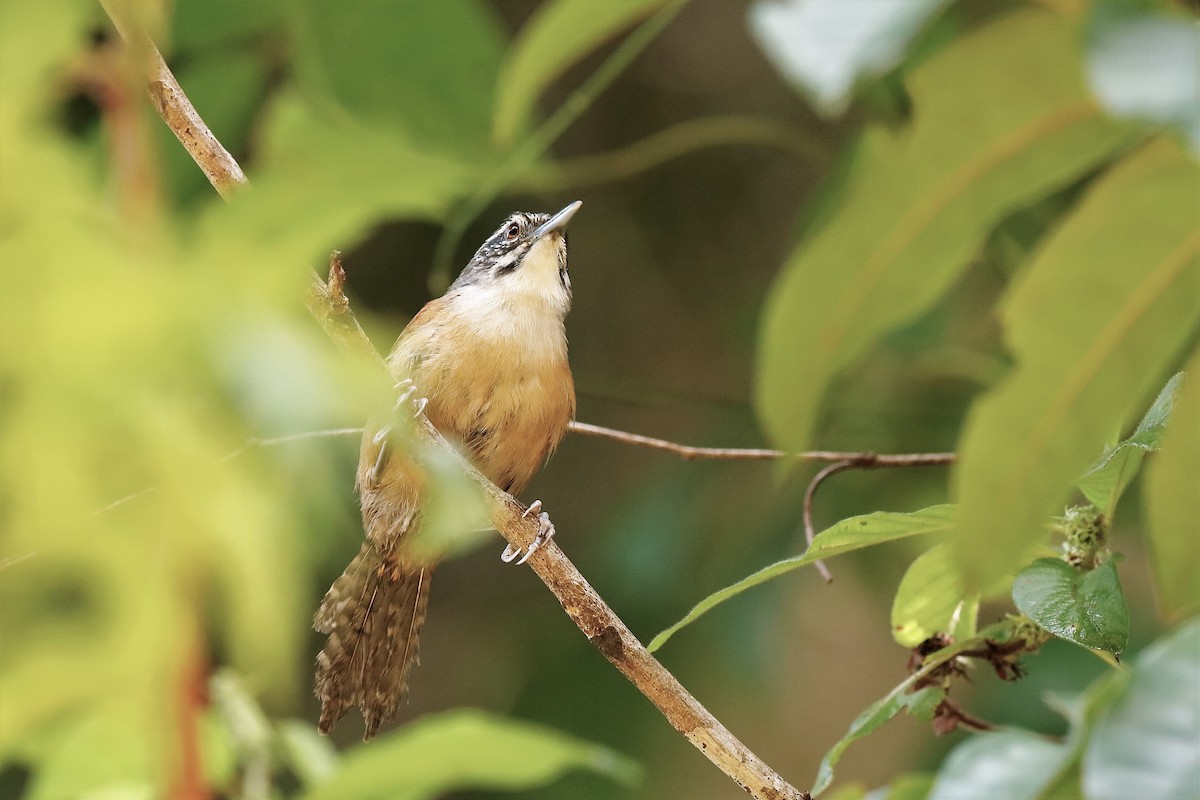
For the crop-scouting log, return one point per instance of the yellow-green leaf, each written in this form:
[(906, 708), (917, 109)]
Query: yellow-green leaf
[(1173, 504), (1001, 118), (853, 533), (1093, 324)]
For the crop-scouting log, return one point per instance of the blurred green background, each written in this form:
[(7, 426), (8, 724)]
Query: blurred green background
[(150, 331)]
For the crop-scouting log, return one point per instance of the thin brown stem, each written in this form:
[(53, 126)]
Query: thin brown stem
[(811, 492), (862, 460), (221, 169), (587, 609)]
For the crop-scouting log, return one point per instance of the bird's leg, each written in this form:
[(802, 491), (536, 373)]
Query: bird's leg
[(406, 389), (545, 534)]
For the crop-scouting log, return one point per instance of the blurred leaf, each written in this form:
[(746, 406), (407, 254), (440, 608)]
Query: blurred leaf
[(825, 46), (425, 71), (197, 25), (921, 201), (1011, 764), (309, 755), (98, 753), (914, 786), (559, 33), (466, 750), (322, 185), (1086, 607), (850, 534), (930, 600), (1145, 745), (1173, 504), (1108, 478), (1093, 323), (872, 719), (1145, 64)]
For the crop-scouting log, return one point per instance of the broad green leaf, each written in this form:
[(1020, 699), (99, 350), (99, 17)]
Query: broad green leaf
[(930, 599), (466, 750), (825, 46), (1173, 504), (1011, 764), (920, 201), (1108, 478), (1093, 323), (558, 34), (1146, 745), (879, 712), (850, 534), (1145, 64), (1086, 607), (421, 70)]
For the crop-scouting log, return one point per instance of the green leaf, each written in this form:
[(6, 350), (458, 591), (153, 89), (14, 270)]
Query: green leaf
[(1108, 478), (558, 34), (1144, 64), (920, 201), (466, 750), (850, 534), (422, 69), (873, 718), (1084, 607), (1173, 505), (1093, 323), (825, 46), (930, 600), (1011, 764), (1146, 745)]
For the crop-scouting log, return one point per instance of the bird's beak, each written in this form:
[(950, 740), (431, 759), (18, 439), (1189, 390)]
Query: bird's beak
[(558, 222)]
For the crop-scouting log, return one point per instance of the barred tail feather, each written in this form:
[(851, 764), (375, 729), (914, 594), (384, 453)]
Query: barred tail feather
[(372, 615)]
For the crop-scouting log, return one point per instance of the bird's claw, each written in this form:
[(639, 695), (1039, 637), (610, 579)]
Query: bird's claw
[(545, 534), (407, 389)]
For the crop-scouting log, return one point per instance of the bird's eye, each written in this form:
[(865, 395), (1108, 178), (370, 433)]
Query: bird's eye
[(514, 230)]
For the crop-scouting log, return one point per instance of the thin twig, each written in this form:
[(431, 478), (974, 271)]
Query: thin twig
[(861, 459), (686, 452), (274, 441), (590, 613), (169, 100), (841, 461), (809, 493)]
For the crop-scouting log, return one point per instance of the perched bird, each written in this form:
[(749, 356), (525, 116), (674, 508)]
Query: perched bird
[(487, 363)]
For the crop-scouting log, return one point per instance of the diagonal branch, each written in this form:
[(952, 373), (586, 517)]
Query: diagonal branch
[(587, 609)]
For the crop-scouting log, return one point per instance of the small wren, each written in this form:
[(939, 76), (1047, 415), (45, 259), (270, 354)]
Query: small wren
[(488, 360)]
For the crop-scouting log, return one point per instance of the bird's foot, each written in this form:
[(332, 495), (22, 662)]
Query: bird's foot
[(545, 534)]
